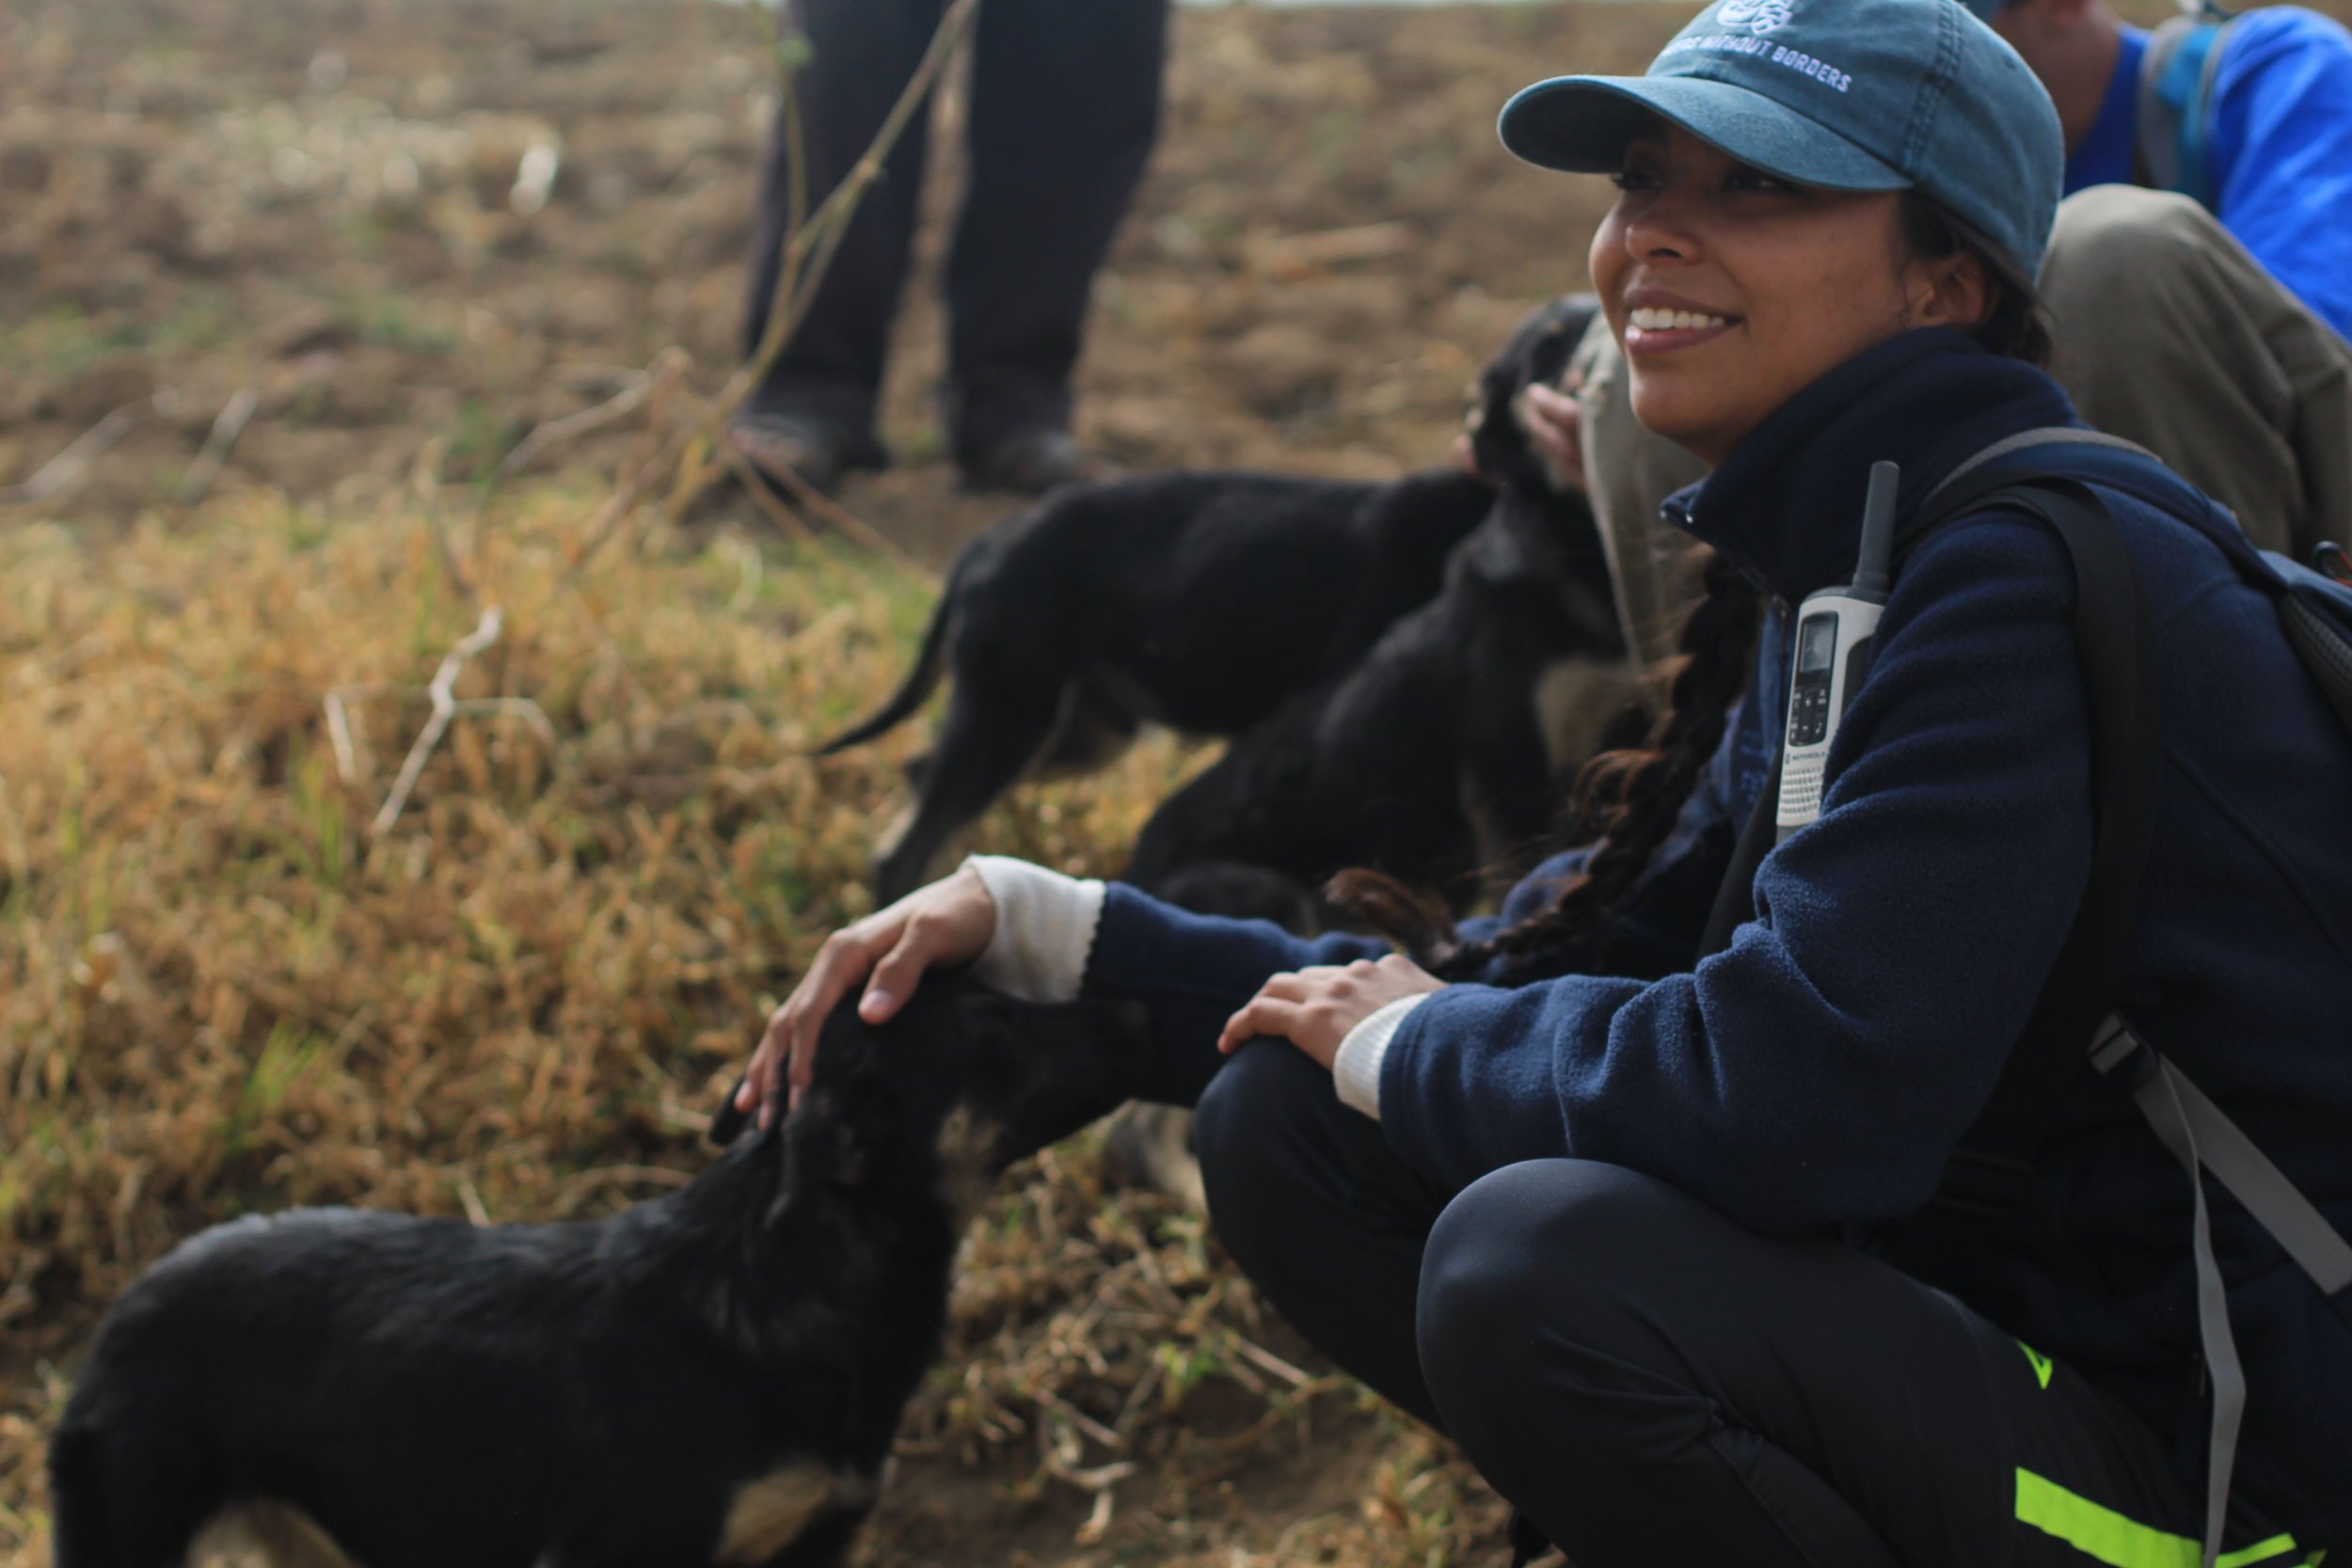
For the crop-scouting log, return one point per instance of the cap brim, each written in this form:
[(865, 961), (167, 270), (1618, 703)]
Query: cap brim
[(1583, 123)]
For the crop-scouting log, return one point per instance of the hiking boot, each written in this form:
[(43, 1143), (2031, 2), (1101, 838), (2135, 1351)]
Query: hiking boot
[(819, 451), (1030, 462)]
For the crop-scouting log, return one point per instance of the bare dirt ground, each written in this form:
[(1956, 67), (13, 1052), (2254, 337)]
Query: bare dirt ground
[(317, 203)]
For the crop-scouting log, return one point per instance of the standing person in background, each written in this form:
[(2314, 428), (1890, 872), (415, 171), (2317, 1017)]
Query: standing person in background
[(2199, 280), (1065, 102)]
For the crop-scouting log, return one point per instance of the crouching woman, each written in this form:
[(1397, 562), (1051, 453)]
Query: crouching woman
[(1615, 1215)]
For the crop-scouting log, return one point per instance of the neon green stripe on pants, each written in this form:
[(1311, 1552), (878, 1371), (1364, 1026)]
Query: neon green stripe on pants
[(2106, 1536)]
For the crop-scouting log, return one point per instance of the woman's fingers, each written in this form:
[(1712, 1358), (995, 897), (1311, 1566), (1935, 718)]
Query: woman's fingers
[(1315, 1009), (900, 970), (1261, 1015), (788, 1049), (847, 957), (948, 923)]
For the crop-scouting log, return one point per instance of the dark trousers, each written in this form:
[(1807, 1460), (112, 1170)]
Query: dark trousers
[(1653, 1386), (1065, 100)]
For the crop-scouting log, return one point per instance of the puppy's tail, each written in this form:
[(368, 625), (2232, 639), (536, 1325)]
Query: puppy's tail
[(915, 690)]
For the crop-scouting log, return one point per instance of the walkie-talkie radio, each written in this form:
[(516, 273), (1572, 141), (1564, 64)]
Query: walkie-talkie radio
[(1835, 629)]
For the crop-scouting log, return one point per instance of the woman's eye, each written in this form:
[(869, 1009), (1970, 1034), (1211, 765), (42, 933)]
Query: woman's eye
[(1634, 179)]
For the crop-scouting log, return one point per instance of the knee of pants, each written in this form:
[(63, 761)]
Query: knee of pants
[(2115, 247), (1248, 1133), (1528, 1261)]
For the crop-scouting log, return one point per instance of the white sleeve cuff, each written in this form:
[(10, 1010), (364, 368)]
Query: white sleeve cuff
[(1357, 1068), (1044, 930)]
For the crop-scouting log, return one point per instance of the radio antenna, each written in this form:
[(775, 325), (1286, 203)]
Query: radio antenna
[(1874, 567)]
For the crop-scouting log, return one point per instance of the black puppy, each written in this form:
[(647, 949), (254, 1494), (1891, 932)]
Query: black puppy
[(1195, 601), (1440, 756), (711, 1377)]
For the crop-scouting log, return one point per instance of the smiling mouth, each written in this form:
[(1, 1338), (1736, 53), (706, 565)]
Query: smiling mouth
[(1653, 329), (1650, 320)]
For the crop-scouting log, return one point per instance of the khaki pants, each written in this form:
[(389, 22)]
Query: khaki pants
[(2168, 334)]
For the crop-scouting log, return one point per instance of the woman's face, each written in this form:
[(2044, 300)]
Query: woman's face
[(1731, 289)]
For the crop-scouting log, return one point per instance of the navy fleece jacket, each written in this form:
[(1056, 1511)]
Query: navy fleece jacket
[(1816, 1074)]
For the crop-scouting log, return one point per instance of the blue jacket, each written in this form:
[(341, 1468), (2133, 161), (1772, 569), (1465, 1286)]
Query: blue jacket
[(2280, 145), (1816, 1074)]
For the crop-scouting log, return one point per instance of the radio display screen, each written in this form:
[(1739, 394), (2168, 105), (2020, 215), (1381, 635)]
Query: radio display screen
[(1816, 643)]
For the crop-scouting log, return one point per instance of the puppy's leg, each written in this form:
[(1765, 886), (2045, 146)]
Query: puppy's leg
[(1150, 1145), (985, 745), (122, 1499), (277, 1533)]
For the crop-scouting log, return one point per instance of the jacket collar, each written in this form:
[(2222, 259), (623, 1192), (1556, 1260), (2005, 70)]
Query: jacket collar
[(1786, 504)]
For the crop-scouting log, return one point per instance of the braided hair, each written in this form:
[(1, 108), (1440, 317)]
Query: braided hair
[(1625, 801)]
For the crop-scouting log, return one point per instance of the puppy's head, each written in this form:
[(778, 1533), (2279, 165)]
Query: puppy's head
[(936, 1103), (1538, 354)]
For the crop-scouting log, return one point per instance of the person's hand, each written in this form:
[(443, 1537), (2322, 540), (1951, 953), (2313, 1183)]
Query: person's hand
[(1554, 423), (946, 923), (1314, 1009), (1466, 456)]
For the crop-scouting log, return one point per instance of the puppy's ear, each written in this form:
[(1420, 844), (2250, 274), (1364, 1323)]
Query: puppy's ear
[(729, 1120), (833, 1140), (805, 1144)]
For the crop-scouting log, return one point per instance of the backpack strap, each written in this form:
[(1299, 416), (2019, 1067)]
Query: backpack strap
[(1735, 896), (2172, 132), (1990, 1171)]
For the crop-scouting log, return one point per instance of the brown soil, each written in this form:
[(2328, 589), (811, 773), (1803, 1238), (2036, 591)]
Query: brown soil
[(313, 202)]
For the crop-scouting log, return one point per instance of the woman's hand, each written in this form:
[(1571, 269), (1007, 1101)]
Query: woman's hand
[(948, 924), (1314, 1009)]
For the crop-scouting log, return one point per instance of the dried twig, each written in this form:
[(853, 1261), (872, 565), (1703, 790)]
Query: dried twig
[(576, 1191), (1049, 1400), (75, 461), (808, 250), (607, 518), (810, 243), (824, 506), (234, 416), (755, 486), (791, 51), (749, 570), (446, 707), (338, 733), (668, 366), (424, 483), (1259, 1356)]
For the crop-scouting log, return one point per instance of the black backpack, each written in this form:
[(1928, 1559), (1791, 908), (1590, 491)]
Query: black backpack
[(1990, 1171)]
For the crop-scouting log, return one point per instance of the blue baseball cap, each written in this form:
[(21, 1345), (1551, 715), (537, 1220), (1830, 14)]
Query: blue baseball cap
[(1857, 95)]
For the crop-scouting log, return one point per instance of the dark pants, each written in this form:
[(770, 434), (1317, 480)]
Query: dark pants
[(1652, 1386), (1065, 100)]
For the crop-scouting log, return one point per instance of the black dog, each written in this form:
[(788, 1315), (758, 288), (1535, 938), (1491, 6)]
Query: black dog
[(712, 1377), (1442, 757), (1195, 601)]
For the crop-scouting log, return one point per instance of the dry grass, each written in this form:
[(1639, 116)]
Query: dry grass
[(219, 992)]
